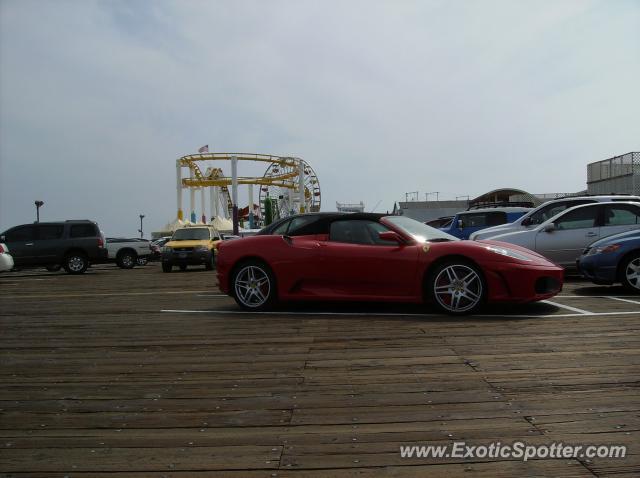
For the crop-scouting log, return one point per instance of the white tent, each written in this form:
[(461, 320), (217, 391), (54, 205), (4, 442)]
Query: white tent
[(222, 224)]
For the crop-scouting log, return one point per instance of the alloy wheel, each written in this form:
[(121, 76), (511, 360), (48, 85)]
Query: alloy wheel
[(458, 288), (252, 286), (632, 272), (76, 263)]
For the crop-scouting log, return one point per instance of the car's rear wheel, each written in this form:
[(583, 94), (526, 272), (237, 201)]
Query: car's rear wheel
[(253, 286), (211, 263), (630, 273), (75, 263), (127, 259), (166, 267), (457, 287)]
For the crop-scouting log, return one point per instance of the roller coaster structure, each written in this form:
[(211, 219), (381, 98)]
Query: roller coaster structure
[(289, 183)]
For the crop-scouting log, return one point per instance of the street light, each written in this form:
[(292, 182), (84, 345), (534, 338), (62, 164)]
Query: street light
[(140, 230), (38, 204)]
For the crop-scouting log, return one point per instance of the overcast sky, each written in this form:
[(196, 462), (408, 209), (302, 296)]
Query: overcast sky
[(98, 98)]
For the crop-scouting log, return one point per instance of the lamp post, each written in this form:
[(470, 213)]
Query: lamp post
[(38, 205), (140, 230)]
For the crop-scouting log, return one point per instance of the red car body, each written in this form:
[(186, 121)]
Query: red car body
[(312, 267)]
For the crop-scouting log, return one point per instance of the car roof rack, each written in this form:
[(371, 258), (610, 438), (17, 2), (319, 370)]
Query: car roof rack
[(487, 204)]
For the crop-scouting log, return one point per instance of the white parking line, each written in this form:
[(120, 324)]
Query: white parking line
[(391, 314), (625, 300), (212, 295), (573, 309)]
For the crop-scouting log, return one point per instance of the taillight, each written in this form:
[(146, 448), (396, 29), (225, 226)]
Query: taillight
[(1, 249), (100, 242)]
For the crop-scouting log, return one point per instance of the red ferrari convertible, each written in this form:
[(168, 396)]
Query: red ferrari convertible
[(374, 257)]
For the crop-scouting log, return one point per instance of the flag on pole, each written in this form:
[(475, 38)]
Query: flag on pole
[(204, 149)]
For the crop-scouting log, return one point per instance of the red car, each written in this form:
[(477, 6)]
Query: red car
[(374, 257)]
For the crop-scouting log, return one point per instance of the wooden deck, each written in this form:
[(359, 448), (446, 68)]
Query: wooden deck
[(139, 373)]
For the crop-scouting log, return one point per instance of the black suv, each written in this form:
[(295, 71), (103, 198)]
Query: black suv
[(70, 244)]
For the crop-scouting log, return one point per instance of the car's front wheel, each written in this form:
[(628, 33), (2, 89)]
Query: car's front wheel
[(253, 286), (75, 263), (630, 273), (457, 287)]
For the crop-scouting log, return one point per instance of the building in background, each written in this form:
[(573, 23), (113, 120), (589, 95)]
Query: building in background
[(344, 207), (617, 175)]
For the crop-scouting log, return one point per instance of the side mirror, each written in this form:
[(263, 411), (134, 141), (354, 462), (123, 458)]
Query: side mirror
[(460, 224), (391, 236), (549, 227)]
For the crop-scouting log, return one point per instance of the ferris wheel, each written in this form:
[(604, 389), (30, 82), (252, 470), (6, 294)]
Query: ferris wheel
[(286, 199)]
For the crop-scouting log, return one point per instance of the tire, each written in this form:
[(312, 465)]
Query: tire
[(253, 286), (457, 287), (75, 263), (183, 267), (211, 263), (54, 267), (166, 267), (630, 273), (142, 261), (127, 259)]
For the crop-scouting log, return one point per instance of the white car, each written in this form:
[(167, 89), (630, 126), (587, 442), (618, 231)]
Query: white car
[(6, 260), (563, 237), (127, 252), (545, 212)]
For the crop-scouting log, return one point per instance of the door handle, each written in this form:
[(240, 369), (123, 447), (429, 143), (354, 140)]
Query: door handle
[(29, 244), (320, 244), (591, 234)]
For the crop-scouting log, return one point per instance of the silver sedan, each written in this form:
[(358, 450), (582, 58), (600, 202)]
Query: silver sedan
[(563, 237)]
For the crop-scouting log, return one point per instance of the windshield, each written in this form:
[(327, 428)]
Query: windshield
[(195, 234), (419, 231)]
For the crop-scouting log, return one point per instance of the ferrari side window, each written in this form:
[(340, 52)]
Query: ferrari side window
[(281, 229), (358, 232)]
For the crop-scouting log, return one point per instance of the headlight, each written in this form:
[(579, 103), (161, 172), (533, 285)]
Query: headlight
[(604, 249), (509, 253), (166, 249)]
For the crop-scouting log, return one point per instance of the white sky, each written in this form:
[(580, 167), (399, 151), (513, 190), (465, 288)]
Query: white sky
[(98, 98)]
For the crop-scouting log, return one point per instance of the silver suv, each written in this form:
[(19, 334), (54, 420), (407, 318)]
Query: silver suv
[(546, 211)]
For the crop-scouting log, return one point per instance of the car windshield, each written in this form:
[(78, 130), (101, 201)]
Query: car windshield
[(419, 231), (191, 234)]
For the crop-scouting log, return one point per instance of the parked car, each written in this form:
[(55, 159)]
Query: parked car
[(191, 245), (127, 252), (467, 222), (563, 237), (6, 261), (545, 212), (444, 221), (614, 259), (73, 245), (374, 257)]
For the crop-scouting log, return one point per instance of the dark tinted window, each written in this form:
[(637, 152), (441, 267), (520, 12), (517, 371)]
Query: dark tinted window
[(620, 215), (358, 232), (83, 230), (50, 232), (281, 228), (483, 219), (547, 212), (21, 234), (582, 218)]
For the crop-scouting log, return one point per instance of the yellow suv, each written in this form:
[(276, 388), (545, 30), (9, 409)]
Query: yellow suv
[(190, 246)]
